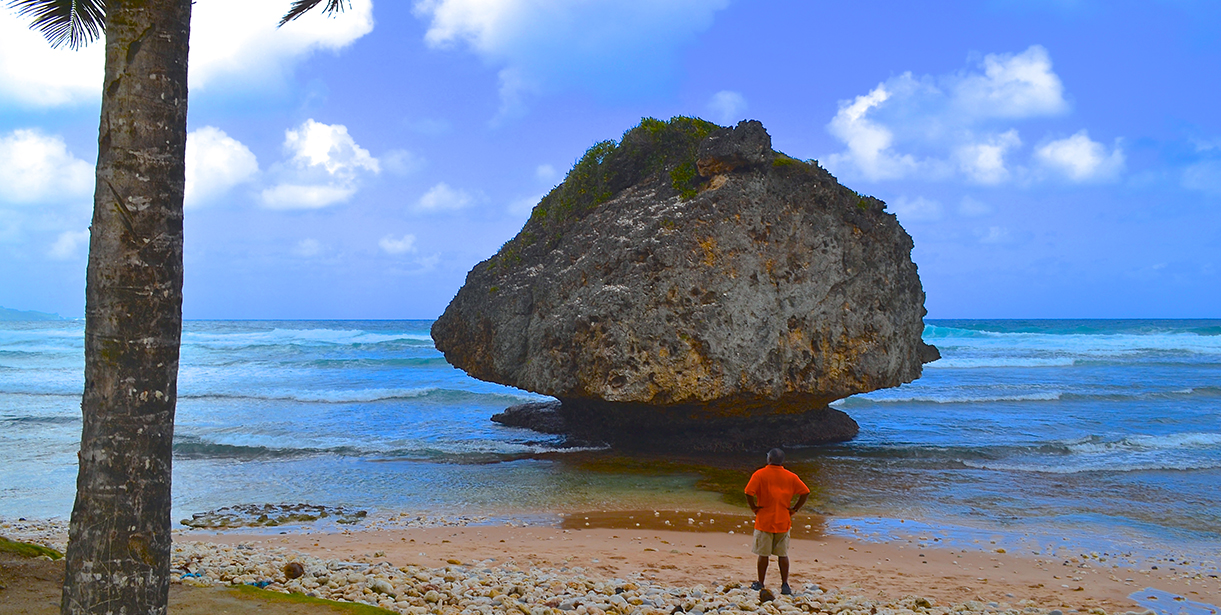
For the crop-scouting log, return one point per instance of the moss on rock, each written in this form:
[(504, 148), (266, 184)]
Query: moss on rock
[(26, 549)]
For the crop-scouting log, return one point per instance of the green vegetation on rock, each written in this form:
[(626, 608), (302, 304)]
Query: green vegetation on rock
[(25, 549), (683, 179), (782, 160), (664, 150)]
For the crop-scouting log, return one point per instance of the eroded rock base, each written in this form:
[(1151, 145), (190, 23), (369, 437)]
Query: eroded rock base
[(679, 429)]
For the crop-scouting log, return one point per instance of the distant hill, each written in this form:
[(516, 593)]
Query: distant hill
[(7, 314)]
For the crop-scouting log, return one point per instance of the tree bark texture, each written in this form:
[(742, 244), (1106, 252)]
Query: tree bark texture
[(119, 538)]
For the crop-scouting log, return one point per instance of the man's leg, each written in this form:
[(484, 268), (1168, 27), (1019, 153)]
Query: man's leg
[(763, 568), (784, 569)]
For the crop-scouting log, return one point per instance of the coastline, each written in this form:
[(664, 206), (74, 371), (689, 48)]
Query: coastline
[(830, 572)]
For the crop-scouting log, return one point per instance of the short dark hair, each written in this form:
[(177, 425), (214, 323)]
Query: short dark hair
[(775, 456)]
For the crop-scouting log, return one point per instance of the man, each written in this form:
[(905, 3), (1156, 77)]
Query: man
[(770, 495)]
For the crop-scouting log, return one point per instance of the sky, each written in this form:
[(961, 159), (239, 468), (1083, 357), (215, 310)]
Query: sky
[(1050, 158)]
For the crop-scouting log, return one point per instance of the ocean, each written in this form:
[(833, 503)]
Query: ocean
[(1103, 432)]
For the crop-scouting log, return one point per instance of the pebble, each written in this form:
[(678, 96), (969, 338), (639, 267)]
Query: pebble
[(485, 588), (480, 588)]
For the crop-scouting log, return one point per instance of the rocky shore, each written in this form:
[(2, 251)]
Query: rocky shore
[(448, 568), (486, 587)]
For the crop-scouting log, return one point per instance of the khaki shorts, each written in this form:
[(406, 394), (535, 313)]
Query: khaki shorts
[(767, 543)]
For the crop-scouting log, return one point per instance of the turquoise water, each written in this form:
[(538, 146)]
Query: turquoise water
[(1108, 429)]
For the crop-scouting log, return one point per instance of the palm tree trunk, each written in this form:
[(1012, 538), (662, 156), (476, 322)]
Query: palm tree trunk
[(119, 537)]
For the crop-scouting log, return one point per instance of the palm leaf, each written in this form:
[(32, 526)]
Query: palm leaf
[(74, 23), (301, 7)]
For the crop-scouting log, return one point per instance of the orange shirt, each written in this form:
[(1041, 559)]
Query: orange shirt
[(774, 488)]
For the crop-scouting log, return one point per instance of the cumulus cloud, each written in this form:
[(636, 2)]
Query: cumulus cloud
[(869, 143), (952, 125), (1081, 159), (215, 163), (1011, 86), (443, 198), (235, 45), (32, 74), (397, 245), (612, 47), (328, 146), (324, 168), (726, 107), (984, 161), (68, 244), (36, 168)]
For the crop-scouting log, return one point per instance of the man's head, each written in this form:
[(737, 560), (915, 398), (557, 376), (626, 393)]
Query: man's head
[(775, 457)]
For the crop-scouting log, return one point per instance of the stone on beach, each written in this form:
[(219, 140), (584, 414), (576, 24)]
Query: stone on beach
[(509, 589), (690, 287)]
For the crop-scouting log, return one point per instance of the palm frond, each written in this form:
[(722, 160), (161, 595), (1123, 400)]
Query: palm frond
[(301, 7), (74, 23)]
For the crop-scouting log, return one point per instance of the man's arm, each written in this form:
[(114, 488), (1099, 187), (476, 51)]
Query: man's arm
[(754, 506), (801, 501)]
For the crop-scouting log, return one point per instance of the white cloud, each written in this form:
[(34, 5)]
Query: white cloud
[(1204, 176), (918, 209), (325, 167), (215, 162), (307, 248), (67, 244), (609, 46), (868, 142), (235, 45), (329, 146), (952, 125), (401, 245), (443, 198), (35, 75), (291, 196), (37, 168), (1011, 86), (1080, 159), (984, 161), (726, 107)]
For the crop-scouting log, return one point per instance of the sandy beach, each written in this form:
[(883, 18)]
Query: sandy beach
[(567, 566)]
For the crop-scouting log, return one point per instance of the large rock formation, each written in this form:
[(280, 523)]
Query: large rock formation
[(690, 287)]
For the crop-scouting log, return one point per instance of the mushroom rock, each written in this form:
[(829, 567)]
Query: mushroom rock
[(688, 287)]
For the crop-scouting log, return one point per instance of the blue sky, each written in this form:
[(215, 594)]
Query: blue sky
[(1054, 158)]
